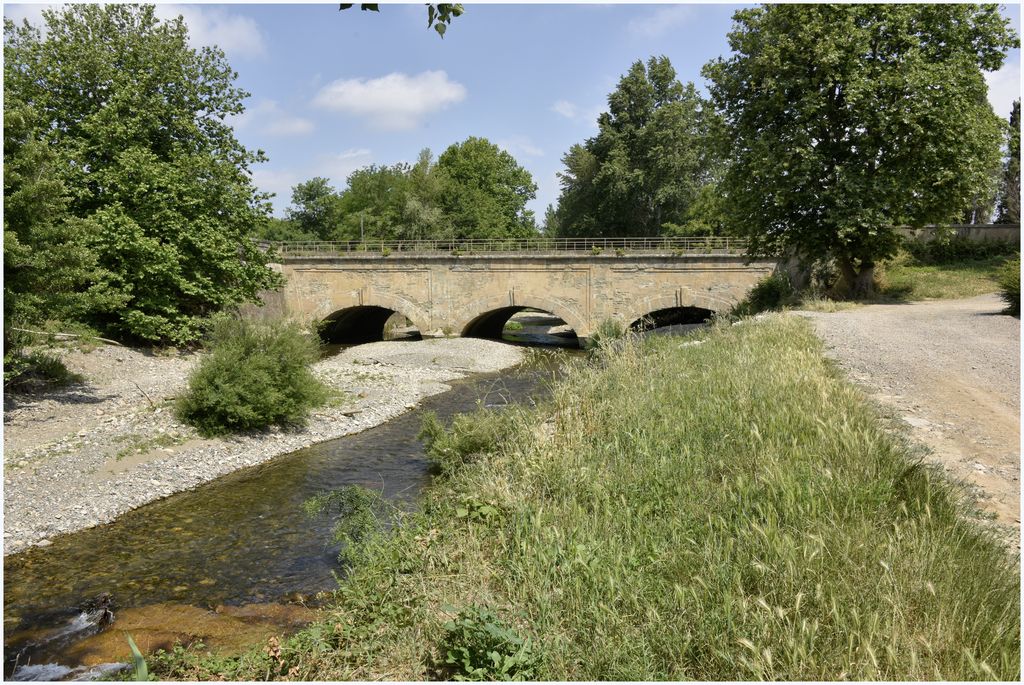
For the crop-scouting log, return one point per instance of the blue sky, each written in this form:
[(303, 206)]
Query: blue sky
[(335, 91)]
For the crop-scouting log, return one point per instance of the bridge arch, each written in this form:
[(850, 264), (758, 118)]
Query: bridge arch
[(488, 316), (364, 320), (684, 304)]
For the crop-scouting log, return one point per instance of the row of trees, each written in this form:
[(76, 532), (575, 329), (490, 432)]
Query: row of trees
[(473, 190)]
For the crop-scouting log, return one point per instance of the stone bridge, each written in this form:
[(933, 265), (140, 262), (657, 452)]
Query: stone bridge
[(474, 290)]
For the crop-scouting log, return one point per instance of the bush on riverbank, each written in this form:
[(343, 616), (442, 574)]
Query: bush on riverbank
[(1009, 286), (254, 376), (727, 510)]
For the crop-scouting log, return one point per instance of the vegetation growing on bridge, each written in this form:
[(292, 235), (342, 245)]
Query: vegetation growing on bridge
[(725, 508)]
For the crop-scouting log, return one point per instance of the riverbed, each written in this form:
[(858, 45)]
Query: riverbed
[(235, 557), (83, 455)]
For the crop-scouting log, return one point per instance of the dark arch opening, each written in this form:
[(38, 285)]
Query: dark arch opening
[(357, 325), (523, 325), (672, 316)]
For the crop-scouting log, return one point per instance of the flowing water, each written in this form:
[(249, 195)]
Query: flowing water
[(242, 539)]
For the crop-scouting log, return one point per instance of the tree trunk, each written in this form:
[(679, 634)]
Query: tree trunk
[(859, 283)]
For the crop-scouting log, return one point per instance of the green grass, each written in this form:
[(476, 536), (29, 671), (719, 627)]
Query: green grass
[(904, 278), (728, 510)]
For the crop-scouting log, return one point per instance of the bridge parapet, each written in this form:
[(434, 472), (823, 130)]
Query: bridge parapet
[(710, 245)]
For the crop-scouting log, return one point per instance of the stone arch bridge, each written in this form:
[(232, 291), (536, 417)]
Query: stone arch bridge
[(471, 288)]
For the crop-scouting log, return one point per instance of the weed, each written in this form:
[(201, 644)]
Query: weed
[(140, 444), (139, 668), (904, 278), (732, 510), (595, 250), (608, 331), (513, 326), (358, 512), (35, 370), (477, 645), (955, 249), (468, 437)]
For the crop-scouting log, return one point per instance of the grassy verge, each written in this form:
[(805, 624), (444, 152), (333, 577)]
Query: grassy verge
[(904, 278), (726, 510)]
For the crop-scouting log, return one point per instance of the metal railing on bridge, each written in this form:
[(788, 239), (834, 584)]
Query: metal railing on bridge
[(481, 246)]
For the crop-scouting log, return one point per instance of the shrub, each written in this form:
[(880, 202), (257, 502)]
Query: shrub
[(770, 294), (608, 331), (35, 370), (1009, 286), (255, 375), (477, 645), (952, 249), (470, 435), (357, 512)]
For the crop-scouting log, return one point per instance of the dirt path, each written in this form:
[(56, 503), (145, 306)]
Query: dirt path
[(951, 370)]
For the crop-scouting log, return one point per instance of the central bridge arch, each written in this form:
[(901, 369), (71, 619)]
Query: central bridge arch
[(364, 319)]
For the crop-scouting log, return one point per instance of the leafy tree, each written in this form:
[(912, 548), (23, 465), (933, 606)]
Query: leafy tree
[(422, 214), (550, 227), (847, 120), (373, 204), (50, 273), (474, 190), (156, 182), (486, 191), (1009, 192), (647, 164), (316, 209), (283, 230)]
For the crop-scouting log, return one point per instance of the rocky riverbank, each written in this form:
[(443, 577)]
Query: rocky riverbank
[(80, 456)]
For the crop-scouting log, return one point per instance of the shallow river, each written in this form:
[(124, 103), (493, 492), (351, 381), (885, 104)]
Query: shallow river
[(242, 539)]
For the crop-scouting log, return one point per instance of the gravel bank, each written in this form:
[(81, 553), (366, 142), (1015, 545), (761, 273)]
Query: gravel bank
[(951, 370), (81, 456)]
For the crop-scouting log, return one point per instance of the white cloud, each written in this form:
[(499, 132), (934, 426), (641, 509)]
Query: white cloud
[(337, 167), (1004, 87), (575, 113), (269, 118), (236, 35), (660, 21), (394, 102), (521, 145), (565, 108)]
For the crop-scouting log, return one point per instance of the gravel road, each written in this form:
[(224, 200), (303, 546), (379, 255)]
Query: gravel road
[(83, 455), (951, 371)]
